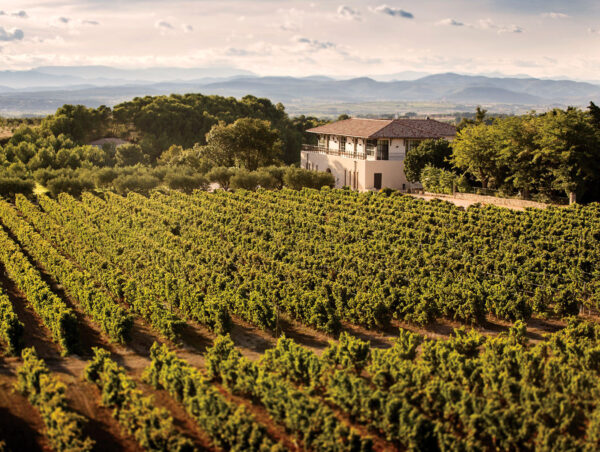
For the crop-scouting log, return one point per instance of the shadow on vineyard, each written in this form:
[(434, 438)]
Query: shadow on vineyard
[(17, 433)]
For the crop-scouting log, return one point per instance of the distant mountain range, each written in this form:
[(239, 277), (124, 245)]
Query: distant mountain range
[(42, 90)]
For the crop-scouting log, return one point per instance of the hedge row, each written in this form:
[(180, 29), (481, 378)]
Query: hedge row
[(47, 394), (56, 315), (151, 426), (11, 330)]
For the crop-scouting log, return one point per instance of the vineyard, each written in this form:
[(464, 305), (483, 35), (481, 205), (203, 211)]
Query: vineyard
[(319, 320)]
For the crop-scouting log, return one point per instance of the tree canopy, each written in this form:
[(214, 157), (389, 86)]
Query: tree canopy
[(247, 143), (429, 152)]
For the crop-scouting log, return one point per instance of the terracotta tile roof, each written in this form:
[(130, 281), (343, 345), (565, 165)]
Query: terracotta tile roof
[(387, 128)]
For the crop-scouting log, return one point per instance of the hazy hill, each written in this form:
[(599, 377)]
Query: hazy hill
[(43, 89)]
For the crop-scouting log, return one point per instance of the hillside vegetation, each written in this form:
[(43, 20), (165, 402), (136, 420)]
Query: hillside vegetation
[(172, 140)]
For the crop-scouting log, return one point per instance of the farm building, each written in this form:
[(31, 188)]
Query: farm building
[(368, 154)]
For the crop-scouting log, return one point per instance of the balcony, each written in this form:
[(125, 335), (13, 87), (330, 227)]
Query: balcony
[(372, 152), (336, 152)]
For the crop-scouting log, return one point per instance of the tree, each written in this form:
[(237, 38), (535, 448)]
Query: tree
[(186, 182), (476, 149), (129, 154), (247, 143), (140, 183), (171, 156), (80, 123), (528, 169), (298, 178), (245, 180), (480, 115), (69, 184), (271, 177), (437, 180), (429, 152), (220, 175), (594, 112), (10, 186), (572, 146)]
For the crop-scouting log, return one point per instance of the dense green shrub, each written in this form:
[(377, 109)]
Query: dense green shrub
[(71, 185), (137, 183), (245, 180), (437, 180), (221, 176), (186, 182), (10, 186), (298, 178)]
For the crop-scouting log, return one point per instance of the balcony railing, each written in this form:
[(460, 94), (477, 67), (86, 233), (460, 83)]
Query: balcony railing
[(372, 152), (336, 152)]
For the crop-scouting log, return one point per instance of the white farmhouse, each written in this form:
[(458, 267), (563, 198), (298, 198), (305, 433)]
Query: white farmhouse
[(368, 154)]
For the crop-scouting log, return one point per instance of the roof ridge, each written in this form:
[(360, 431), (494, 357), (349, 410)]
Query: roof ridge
[(369, 119)]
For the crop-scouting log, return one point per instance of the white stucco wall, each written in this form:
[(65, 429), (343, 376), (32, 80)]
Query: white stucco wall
[(357, 173), (392, 174), (346, 171), (397, 149)]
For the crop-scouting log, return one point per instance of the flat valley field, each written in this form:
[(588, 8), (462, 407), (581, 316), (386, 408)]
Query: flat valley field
[(309, 320)]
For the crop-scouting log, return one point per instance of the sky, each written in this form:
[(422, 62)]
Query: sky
[(541, 38)]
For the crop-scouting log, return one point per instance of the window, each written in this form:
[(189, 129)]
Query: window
[(342, 144), (383, 150), (371, 147)]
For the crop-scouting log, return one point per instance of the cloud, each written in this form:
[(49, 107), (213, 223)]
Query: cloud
[(488, 24), (64, 20), (11, 35), (594, 31), (187, 28), (348, 13), (553, 15), (237, 52), (511, 29), (163, 25), (392, 11), (314, 44), (22, 14), (482, 24), (451, 22), (90, 22)]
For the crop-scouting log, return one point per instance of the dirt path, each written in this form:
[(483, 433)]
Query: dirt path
[(466, 200)]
